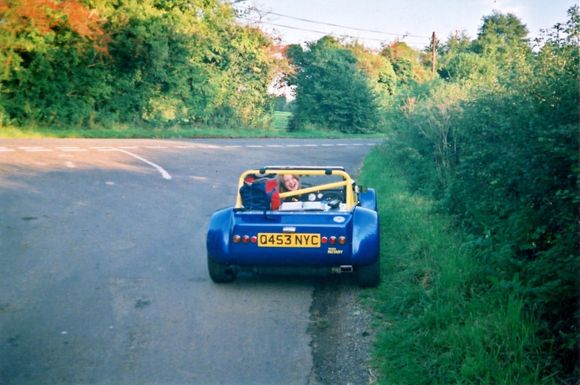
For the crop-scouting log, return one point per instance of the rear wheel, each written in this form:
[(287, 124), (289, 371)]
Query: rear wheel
[(220, 273), (369, 275)]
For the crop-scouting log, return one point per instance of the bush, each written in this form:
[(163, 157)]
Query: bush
[(502, 158), (441, 320)]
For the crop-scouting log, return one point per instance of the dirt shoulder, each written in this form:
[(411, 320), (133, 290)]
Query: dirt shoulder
[(342, 334)]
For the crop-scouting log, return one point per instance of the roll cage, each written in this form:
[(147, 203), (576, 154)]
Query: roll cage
[(351, 193)]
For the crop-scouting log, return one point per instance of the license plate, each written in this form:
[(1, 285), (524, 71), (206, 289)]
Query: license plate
[(288, 240)]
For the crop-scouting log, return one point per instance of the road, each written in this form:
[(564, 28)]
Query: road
[(103, 276)]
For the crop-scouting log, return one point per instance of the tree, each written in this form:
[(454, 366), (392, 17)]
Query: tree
[(407, 63), (161, 62), (331, 91), (503, 39), (378, 69), (502, 32), (50, 58), (459, 62)]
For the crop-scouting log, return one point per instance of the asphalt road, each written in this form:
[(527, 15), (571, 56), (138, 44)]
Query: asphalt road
[(103, 276)]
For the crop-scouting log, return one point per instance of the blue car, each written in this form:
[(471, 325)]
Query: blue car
[(327, 225)]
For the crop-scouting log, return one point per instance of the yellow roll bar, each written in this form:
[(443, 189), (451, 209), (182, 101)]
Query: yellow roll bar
[(347, 182)]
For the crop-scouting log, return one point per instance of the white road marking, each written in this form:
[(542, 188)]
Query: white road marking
[(254, 146), (162, 171), (69, 164), (129, 147), (155, 147), (274, 145), (35, 149), (103, 149), (6, 149), (72, 149)]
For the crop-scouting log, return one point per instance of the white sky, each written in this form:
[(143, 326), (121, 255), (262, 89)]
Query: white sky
[(417, 19)]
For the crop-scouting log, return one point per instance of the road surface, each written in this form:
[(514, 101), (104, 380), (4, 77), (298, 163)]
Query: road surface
[(103, 276)]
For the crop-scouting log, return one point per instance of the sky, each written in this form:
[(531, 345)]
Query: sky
[(376, 22)]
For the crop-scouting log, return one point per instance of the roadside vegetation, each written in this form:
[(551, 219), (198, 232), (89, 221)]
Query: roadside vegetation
[(440, 319), (479, 207), (478, 178)]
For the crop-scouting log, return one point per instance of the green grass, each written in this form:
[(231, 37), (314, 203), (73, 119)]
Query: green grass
[(440, 319), (278, 129), (281, 120)]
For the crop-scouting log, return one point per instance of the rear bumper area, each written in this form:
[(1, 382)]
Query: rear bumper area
[(295, 270)]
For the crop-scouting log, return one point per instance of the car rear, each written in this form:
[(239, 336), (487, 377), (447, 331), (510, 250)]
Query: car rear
[(291, 239), (320, 226)]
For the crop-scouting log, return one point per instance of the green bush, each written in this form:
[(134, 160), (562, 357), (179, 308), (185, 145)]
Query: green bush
[(332, 92), (440, 319), (500, 154)]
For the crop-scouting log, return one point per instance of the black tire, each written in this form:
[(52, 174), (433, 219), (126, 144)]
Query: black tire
[(220, 273), (369, 275)]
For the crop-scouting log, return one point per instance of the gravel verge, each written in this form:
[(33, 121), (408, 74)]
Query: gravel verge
[(342, 334)]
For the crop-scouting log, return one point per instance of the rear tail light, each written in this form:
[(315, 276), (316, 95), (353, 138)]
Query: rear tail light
[(334, 240), (244, 238)]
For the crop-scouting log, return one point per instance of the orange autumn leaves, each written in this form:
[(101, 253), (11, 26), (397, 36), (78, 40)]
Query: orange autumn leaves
[(17, 16)]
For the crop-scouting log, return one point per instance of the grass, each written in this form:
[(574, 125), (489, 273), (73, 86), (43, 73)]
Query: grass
[(440, 319), (281, 120), (277, 130)]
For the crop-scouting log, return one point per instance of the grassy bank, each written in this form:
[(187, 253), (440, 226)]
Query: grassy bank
[(440, 318), (278, 129)]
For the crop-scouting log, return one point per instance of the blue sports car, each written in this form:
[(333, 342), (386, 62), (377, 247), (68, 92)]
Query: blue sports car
[(325, 223)]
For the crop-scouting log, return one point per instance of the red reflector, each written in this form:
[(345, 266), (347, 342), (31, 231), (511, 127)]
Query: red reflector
[(341, 240), (323, 240), (246, 239), (236, 238), (254, 239), (332, 240)]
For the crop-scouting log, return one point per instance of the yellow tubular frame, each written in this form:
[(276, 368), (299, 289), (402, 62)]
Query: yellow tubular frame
[(347, 182)]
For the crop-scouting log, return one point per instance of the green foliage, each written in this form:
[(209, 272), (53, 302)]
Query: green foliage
[(281, 120), (378, 69), (497, 145), (407, 63), (332, 91), (500, 50), (469, 66), (51, 69), (441, 321), (501, 34), (165, 63)]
